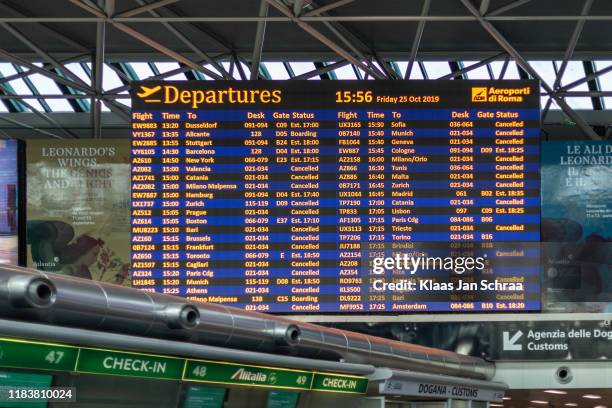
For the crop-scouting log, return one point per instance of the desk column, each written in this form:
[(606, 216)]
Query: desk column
[(257, 229)]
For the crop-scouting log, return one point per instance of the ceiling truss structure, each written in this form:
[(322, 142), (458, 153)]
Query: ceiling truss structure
[(322, 22)]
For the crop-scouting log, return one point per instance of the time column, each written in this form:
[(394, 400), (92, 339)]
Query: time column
[(170, 186)]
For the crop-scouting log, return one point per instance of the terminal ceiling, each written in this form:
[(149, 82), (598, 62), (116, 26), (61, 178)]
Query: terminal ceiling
[(78, 46)]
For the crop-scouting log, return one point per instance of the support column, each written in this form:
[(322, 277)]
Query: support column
[(97, 75)]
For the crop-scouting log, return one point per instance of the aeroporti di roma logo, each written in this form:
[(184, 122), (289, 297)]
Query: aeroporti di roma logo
[(479, 94), (146, 92)]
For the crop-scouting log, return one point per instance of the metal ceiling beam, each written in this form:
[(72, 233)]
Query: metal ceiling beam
[(473, 66), (371, 69), (585, 94), (59, 96), (126, 87), (297, 7), (343, 37), (484, 6), (260, 35), (30, 127), (507, 7), (326, 8), (120, 109), (164, 50), (416, 41), (239, 67), (75, 82), (45, 66), (212, 36), (56, 64), (90, 8), (144, 8), (322, 38), (280, 19), (594, 85), (490, 72), (423, 69), (322, 70), (197, 50), (35, 69), (568, 53), (501, 40), (41, 115), (289, 69), (62, 37), (502, 72), (587, 78), (33, 89), (109, 7)]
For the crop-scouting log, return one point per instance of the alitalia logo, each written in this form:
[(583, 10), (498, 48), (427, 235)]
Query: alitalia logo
[(257, 376)]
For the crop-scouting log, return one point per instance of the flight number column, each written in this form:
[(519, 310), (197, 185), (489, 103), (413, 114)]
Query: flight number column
[(351, 145)]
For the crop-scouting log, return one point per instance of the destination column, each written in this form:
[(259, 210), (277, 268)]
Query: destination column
[(203, 188)]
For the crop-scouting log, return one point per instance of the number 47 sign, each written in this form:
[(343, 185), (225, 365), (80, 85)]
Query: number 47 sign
[(22, 354)]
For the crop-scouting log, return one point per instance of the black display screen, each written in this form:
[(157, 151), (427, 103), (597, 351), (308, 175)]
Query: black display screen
[(277, 196)]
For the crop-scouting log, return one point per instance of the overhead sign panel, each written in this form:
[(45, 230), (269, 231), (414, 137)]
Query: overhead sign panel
[(552, 340)]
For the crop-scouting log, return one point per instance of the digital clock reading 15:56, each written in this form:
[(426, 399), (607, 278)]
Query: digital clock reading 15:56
[(353, 97)]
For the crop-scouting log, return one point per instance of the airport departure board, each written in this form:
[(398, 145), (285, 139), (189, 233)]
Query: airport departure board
[(278, 196)]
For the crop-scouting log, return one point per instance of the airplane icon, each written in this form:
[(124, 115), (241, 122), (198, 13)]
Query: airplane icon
[(145, 92)]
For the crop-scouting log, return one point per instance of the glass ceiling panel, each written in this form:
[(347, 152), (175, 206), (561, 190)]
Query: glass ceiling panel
[(547, 71), (235, 74), (18, 86), (48, 86), (511, 70), (605, 81), (77, 69), (164, 67), (345, 72), (477, 73), (142, 69), (110, 79), (277, 70), (437, 69), (300, 68), (573, 72)]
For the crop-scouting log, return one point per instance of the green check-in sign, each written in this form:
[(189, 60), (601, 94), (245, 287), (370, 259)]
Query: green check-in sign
[(46, 356), (339, 383), (129, 364), (226, 373)]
